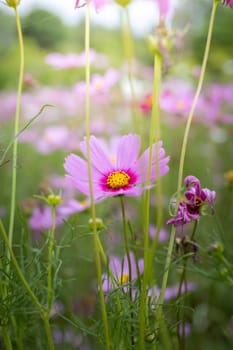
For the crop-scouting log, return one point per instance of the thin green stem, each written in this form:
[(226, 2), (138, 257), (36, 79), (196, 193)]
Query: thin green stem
[(33, 297), (155, 124), (126, 242), (6, 338), (16, 128), (129, 55), (182, 158), (18, 271), (93, 210), (197, 94), (17, 333), (50, 291), (45, 318), (148, 254), (129, 261)]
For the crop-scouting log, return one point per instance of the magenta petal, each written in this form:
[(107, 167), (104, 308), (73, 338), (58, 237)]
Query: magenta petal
[(142, 164), (76, 167), (127, 151), (99, 158)]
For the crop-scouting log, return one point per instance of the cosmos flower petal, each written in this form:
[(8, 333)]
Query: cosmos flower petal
[(76, 167), (99, 159), (120, 173), (142, 164), (128, 150)]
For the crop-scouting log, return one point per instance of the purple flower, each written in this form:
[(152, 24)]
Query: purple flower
[(121, 174), (171, 291), (228, 3), (41, 218), (70, 60), (191, 207), (97, 3), (120, 271), (99, 84)]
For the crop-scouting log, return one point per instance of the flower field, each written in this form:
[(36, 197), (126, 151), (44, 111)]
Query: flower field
[(117, 179)]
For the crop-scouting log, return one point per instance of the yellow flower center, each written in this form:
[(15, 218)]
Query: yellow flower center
[(123, 279), (229, 176), (180, 104), (98, 84), (118, 179), (149, 100)]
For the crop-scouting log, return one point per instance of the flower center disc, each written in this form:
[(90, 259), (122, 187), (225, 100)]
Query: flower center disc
[(123, 279), (118, 179)]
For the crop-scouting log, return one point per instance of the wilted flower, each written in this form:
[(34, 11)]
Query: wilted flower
[(228, 3), (191, 206), (121, 174)]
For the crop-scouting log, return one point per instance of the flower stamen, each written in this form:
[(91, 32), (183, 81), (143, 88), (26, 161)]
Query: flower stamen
[(118, 179), (123, 279)]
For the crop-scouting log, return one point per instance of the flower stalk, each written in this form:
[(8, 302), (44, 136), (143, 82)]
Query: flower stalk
[(182, 158), (50, 290), (154, 135), (93, 210), (40, 308), (16, 127)]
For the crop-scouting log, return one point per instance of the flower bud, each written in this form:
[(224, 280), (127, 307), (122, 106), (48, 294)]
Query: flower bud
[(123, 3), (216, 249), (98, 223), (54, 200), (13, 3)]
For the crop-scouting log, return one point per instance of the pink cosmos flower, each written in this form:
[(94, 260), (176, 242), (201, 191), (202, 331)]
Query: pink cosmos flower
[(120, 271), (97, 3), (125, 173), (70, 60), (228, 3), (146, 104), (171, 291), (41, 218), (191, 207), (99, 84), (176, 98), (164, 7), (163, 234)]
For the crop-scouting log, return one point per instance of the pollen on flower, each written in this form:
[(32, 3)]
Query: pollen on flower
[(123, 279), (98, 84), (180, 104), (149, 100), (229, 176), (118, 179)]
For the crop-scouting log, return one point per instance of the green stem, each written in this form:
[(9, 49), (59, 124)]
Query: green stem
[(45, 318), (93, 210), (126, 243), (197, 94), (181, 166), (33, 297), (183, 280), (17, 333), (50, 291), (16, 128), (18, 271), (6, 338), (155, 124), (129, 263), (129, 54), (148, 253)]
